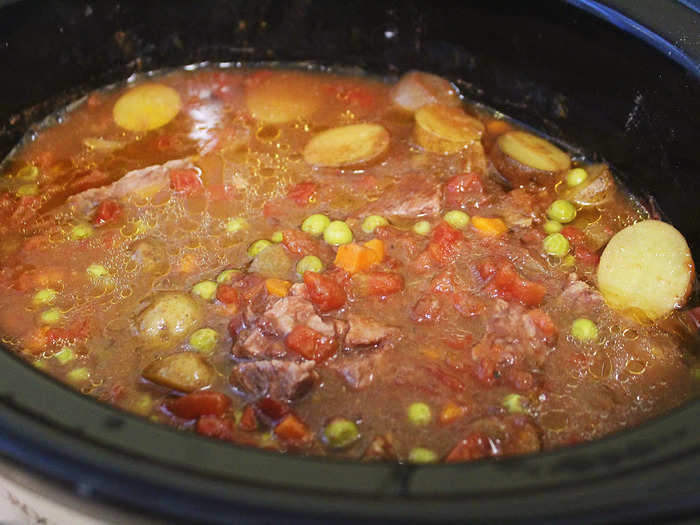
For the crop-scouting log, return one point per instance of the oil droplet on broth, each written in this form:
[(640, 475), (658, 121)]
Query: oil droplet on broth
[(636, 367)]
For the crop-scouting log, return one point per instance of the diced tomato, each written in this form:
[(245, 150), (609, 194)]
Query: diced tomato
[(578, 241), (227, 294), (462, 190), (310, 343), (299, 243), (543, 322), (378, 283), (303, 193), (249, 421), (474, 446), (77, 330), (444, 244), (509, 285), (292, 430), (272, 409), (586, 256), (325, 293), (215, 427), (107, 211), (185, 181), (201, 403)]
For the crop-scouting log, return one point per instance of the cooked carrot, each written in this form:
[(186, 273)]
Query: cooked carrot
[(278, 287), (377, 246), (489, 226), (292, 429), (451, 412), (355, 258), (497, 127)]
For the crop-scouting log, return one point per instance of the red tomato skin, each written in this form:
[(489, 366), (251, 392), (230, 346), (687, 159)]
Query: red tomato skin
[(201, 403), (325, 293), (303, 193), (310, 344), (227, 294), (215, 427), (186, 182), (107, 211)]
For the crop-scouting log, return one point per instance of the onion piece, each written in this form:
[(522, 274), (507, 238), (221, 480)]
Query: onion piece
[(416, 89)]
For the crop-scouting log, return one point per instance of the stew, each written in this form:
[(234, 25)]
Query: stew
[(339, 265)]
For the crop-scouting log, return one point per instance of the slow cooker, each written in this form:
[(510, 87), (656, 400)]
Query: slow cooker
[(616, 78)]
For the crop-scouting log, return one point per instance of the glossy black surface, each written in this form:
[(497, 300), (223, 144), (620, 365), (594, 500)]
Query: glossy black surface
[(547, 64)]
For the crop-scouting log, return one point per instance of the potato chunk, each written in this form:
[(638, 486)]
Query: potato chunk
[(186, 372), (282, 97), (274, 262), (646, 270), (146, 107), (416, 89), (168, 319), (150, 256), (522, 158), (597, 189), (445, 129), (347, 146)]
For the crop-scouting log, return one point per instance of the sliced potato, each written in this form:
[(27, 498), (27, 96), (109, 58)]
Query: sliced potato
[(416, 89), (186, 371), (523, 158), (146, 107), (597, 189), (282, 97), (345, 146), (646, 270), (445, 129), (168, 319)]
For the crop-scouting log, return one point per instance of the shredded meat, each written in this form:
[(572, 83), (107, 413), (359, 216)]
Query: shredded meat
[(277, 379), (152, 177)]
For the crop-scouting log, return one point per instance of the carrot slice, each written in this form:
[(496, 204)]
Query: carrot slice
[(278, 287), (451, 412), (377, 246), (355, 258), (292, 429), (489, 226)]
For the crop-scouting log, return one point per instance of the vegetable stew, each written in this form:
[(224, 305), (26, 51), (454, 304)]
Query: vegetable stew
[(339, 265)]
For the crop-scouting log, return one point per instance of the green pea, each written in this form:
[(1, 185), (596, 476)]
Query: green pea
[(51, 316), (561, 211), (419, 414), (315, 224), (235, 224), (556, 244), (575, 177), (29, 173), (143, 404), (457, 219), (27, 190), (97, 271), (81, 231), (45, 296), (78, 375), (568, 261), (310, 263), (552, 227), (227, 276), (258, 246), (422, 456), (513, 403), (372, 222), (205, 289), (337, 233), (341, 433), (422, 227), (584, 330), (204, 340), (64, 355), (277, 237)]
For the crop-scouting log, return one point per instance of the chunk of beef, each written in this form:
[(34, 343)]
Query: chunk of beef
[(274, 378), (415, 196), (257, 345), (497, 436), (363, 331), (515, 337), (150, 178), (358, 368), (286, 313), (579, 295)]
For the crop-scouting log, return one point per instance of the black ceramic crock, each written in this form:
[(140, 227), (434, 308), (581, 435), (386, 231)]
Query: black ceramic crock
[(630, 97)]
